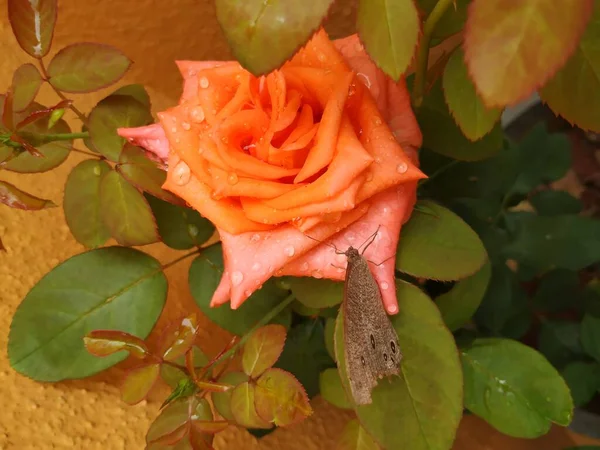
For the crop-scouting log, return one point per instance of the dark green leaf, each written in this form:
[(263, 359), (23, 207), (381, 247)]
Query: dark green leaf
[(205, 274), (440, 247), (302, 310), (126, 212), (452, 21), (332, 390), (281, 26), (81, 203), (329, 333), (583, 380), (418, 409), (14, 197), (137, 91), (112, 288), (559, 341), (558, 290), (222, 400), (514, 388), (555, 203), (316, 293), (26, 83), (180, 228), (33, 24), (590, 336), (87, 67)]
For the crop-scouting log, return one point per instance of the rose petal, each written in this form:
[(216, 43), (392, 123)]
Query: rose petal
[(151, 138)]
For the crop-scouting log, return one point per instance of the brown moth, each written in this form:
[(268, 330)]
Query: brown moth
[(371, 342)]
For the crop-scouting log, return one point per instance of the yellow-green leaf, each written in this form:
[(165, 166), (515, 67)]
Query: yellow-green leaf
[(222, 400), (138, 383), (262, 349), (107, 342), (355, 437), (26, 83), (243, 409), (332, 390)]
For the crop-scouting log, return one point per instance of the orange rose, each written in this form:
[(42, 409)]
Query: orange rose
[(324, 147)]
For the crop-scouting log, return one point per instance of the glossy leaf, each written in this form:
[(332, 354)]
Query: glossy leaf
[(99, 289), (81, 203), (467, 108), (126, 212), (418, 409), (389, 30), (115, 111), (55, 116), (173, 376), (107, 342), (583, 380), (172, 417), (280, 398), (332, 389), (560, 342), (282, 26), (204, 276), (262, 349), (555, 203), (243, 407), (502, 44), (222, 400), (179, 227), (87, 67), (514, 388), (440, 247), (13, 197), (590, 336), (316, 293), (138, 383), (26, 83), (355, 437), (574, 91), (458, 305), (180, 339), (33, 24)]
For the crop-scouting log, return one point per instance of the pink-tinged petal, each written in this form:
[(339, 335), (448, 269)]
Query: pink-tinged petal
[(151, 137)]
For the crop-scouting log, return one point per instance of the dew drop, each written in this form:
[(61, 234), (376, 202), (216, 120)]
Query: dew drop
[(181, 173), (197, 114), (97, 171), (256, 266), (232, 179), (304, 267), (402, 167), (317, 274), (377, 121), (193, 230), (289, 250), (384, 285), (186, 126), (236, 278), (321, 57), (255, 237), (174, 129), (204, 82)]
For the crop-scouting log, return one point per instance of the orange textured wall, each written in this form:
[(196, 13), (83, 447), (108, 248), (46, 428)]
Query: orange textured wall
[(88, 414)]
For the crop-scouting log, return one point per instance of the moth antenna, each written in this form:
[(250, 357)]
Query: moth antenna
[(371, 240), (382, 262), (325, 243)]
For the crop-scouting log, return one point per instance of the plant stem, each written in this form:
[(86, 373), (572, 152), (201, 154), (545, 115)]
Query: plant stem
[(423, 54), (83, 152), (437, 173), (59, 93), (181, 258), (66, 136)]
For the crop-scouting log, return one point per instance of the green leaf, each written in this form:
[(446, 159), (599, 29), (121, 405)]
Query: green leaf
[(184, 388), (262, 349), (443, 136), (583, 380), (590, 336), (555, 203), (558, 290), (14, 197), (305, 311), (138, 383), (281, 26), (458, 305), (112, 288), (332, 389), (441, 247), (81, 203), (179, 338), (514, 388), (126, 212), (222, 400), (419, 409), (173, 376), (566, 241), (452, 21), (204, 276), (305, 355), (33, 24), (355, 437), (170, 419), (87, 67), (390, 31), (26, 83), (243, 409), (329, 333), (559, 342), (316, 293), (111, 113), (137, 91), (180, 228), (107, 342), (574, 91), (471, 115)]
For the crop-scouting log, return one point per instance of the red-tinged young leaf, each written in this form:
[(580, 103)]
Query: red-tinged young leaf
[(263, 349), (81, 203), (16, 198), (115, 111), (201, 411), (282, 26), (8, 111), (199, 441), (26, 145), (172, 438), (210, 427), (467, 108), (173, 416), (140, 171), (574, 92), (26, 83), (222, 400), (32, 23), (355, 437), (87, 67), (280, 398), (172, 375), (41, 112), (181, 339), (390, 31), (243, 409), (512, 48), (138, 383), (125, 212), (107, 342)]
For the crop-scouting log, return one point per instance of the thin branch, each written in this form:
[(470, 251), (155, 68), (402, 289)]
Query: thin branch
[(59, 93)]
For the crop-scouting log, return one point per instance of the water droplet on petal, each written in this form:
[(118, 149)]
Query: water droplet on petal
[(186, 126), (255, 237), (204, 82), (304, 267), (384, 285), (197, 114), (256, 266), (377, 121), (182, 174), (232, 178), (289, 250), (317, 274), (236, 278), (321, 57), (402, 167), (174, 129), (247, 293)]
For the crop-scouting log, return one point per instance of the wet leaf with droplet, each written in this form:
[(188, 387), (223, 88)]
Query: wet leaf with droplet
[(107, 342), (138, 383), (180, 338), (262, 349), (33, 24)]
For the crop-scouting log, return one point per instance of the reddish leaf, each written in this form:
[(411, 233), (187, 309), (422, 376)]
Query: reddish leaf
[(40, 113), (243, 409), (139, 382), (210, 427), (280, 398), (512, 48), (201, 411), (574, 92), (173, 437), (26, 83), (354, 437), (263, 349), (32, 23), (173, 416), (16, 198), (87, 67), (172, 375), (199, 440), (140, 171), (222, 400), (26, 145), (181, 339), (107, 342), (7, 110)]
